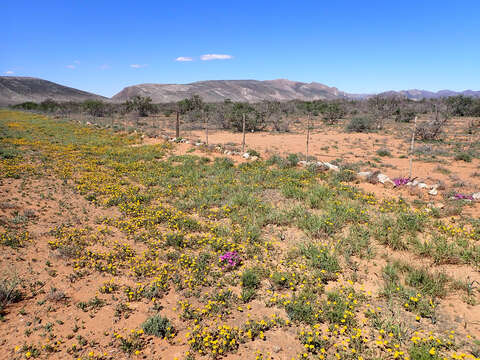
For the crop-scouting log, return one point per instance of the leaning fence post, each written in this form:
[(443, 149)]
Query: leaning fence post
[(412, 144)]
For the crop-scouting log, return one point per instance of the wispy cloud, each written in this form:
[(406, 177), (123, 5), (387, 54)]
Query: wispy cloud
[(77, 61), (183, 58), (138, 66), (104, 67), (9, 72), (207, 57), (70, 66)]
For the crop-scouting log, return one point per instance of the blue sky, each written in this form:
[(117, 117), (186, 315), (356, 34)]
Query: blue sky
[(358, 46)]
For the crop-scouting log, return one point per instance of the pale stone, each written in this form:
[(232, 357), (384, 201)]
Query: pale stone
[(331, 166)]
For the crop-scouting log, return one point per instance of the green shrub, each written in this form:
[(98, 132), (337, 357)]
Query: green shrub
[(247, 295), (158, 326), (426, 283), (252, 152), (318, 196), (300, 311), (277, 160), (223, 163), (360, 124), (280, 280), (463, 156), (250, 279), (384, 152), (292, 159), (344, 175), (320, 257)]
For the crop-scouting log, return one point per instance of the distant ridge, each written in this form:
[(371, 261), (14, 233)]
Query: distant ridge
[(235, 90), (415, 94), (15, 89)]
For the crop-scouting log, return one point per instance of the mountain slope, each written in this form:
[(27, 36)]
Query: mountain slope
[(15, 89), (415, 94), (235, 90)]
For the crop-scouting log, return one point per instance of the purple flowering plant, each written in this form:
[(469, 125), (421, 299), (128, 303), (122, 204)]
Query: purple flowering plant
[(463, 197), (401, 181), (230, 259)]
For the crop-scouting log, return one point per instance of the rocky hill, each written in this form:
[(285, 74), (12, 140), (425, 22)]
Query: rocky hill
[(15, 89), (235, 90)]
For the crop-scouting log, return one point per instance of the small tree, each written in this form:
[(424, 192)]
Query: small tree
[(332, 112), (404, 115), (49, 105), (253, 119), (94, 107), (381, 108), (143, 105)]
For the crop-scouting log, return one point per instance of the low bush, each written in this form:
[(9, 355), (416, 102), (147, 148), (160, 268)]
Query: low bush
[(158, 326), (360, 124)]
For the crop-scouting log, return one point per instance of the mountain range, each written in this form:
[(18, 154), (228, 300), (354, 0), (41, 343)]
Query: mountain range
[(14, 90)]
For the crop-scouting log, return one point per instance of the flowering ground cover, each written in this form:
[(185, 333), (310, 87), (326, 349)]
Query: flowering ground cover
[(113, 251)]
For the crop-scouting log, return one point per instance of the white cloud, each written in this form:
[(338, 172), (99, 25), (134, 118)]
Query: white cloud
[(104, 67), (70, 67), (183, 58), (77, 61), (9, 72), (138, 66), (207, 57)]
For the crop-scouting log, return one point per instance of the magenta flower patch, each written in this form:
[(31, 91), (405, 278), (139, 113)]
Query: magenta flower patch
[(230, 259)]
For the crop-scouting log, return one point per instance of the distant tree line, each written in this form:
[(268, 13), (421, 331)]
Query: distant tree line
[(364, 115)]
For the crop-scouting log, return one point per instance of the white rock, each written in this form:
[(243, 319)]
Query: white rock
[(383, 178), (476, 196), (302, 163), (246, 155), (364, 174), (253, 158), (331, 166), (433, 191), (422, 186)]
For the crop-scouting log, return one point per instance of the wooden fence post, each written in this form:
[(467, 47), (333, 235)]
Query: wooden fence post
[(177, 126), (308, 136), (243, 131)]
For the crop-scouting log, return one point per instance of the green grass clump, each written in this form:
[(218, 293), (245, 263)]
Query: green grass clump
[(464, 156), (9, 293), (158, 326), (384, 152)]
